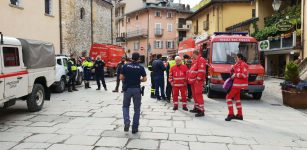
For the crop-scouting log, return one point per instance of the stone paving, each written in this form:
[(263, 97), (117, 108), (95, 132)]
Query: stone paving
[(92, 120)]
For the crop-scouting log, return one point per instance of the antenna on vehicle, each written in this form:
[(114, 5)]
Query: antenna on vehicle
[(1, 40)]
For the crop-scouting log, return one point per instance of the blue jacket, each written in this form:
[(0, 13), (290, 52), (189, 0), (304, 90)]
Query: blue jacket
[(158, 67)]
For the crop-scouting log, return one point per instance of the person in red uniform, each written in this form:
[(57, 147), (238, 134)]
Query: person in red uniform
[(196, 77), (240, 81), (178, 80)]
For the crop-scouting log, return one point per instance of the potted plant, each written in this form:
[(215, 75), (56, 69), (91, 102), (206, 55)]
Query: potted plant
[(294, 91)]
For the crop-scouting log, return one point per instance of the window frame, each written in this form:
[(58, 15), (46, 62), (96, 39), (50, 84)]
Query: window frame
[(136, 45), (158, 44), (19, 57), (172, 44), (49, 8), (17, 3), (169, 16), (158, 12), (171, 27)]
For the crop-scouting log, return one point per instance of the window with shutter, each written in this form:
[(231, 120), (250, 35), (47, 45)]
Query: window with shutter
[(48, 7)]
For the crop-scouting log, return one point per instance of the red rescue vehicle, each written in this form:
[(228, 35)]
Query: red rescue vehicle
[(186, 47), (110, 54), (220, 51)]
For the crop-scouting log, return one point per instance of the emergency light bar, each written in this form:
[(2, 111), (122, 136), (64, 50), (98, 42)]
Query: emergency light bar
[(231, 33)]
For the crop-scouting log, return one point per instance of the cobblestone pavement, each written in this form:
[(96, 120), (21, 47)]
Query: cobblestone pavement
[(91, 119)]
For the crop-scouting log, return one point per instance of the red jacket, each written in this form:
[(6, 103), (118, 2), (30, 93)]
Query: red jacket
[(197, 71), (178, 75), (241, 75)]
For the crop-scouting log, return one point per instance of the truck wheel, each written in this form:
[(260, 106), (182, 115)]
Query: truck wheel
[(36, 99), (257, 96), (210, 92), (61, 87)]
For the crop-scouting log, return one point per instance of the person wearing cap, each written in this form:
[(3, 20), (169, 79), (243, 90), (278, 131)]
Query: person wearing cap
[(132, 74), (178, 80), (87, 67), (119, 67), (99, 73)]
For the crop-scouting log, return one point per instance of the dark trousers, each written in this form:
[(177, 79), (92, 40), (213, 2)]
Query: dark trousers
[(87, 74), (100, 77), (72, 80), (135, 94), (159, 84), (152, 90), (189, 91), (168, 90), (117, 83)]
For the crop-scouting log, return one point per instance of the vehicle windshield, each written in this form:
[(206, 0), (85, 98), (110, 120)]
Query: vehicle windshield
[(225, 52)]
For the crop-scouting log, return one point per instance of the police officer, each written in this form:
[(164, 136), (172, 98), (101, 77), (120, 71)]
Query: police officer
[(118, 69), (72, 72), (87, 67), (158, 71), (132, 74), (171, 63), (99, 73), (152, 90)]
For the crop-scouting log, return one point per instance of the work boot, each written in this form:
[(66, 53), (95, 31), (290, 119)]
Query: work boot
[(159, 98), (69, 89), (185, 109), (127, 126), (175, 108), (86, 85), (115, 91), (194, 110), (229, 117), (153, 96), (74, 89), (200, 114), (135, 130), (105, 89), (239, 117)]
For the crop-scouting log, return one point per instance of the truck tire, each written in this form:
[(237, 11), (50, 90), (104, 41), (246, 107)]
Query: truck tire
[(61, 87), (36, 99), (257, 95), (210, 92)]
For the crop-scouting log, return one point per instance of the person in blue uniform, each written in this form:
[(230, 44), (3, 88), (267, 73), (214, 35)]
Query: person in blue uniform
[(132, 74), (72, 72), (118, 69), (87, 67), (158, 74), (99, 73)]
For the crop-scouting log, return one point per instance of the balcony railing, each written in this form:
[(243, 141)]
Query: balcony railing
[(142, 33), (120, 39), (184, 27), (158, 32)]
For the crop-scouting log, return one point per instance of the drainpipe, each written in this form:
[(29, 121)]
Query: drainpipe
[(92, 36), (60, 18), (112, 24), (303, 29)]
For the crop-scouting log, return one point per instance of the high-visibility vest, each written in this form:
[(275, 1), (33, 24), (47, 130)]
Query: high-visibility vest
[(87, 64), (171, 63), (73, 66)]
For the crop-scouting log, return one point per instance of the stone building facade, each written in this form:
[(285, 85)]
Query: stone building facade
[(84, 22)]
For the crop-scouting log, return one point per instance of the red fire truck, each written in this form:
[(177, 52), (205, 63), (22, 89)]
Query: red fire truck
[(110, 54), (220, 50)]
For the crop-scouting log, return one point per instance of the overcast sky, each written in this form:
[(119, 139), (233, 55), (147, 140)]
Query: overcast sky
[(191, 2)]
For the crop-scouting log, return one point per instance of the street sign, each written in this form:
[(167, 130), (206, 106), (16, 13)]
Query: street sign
[(284, 25), (264, 45)]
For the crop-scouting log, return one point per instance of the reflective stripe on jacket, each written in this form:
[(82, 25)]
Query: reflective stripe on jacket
[(241, 75), (198, 70)]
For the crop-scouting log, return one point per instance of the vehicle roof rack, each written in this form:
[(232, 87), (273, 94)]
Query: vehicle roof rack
[(1, 40), (231, 33)]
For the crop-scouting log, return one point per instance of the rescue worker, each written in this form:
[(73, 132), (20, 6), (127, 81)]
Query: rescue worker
[(196, 78), (158, 71), (178, 80), (152, 89), (87, 68), (99, 73), (240, 81), (132, 75), (118, 69), (72, 72), (188, 63), (171, 63)]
